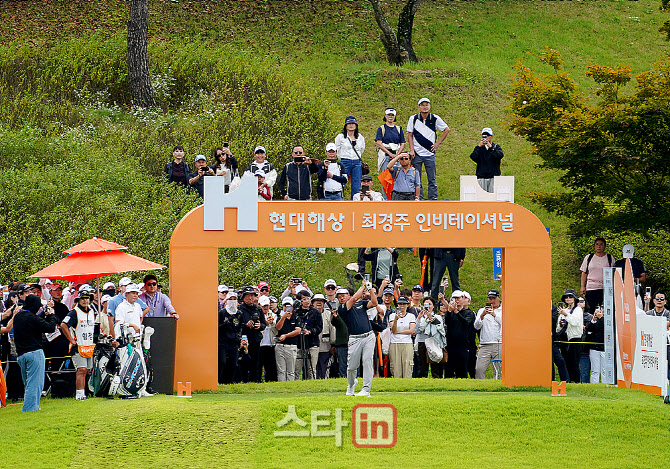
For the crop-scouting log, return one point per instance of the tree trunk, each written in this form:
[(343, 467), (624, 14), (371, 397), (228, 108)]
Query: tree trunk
[(398, 47), (405, 24), (387, 36), (139, 78)]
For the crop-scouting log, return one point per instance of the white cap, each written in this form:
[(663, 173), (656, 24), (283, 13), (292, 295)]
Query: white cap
[(487, 130), (466, 294), (259, 148), (330, 281), (299, 288), (125, 281), (140, 285), (133, 288), (85, 287), (105, 298), (331, 147), (341, 290), (201, 157), (264, 301), (259, 172), (456, 294), (223, 289), (318, 296), (390, 111), (628, 251), (424, 100), (231, 293), (108, 286), (286, 301)]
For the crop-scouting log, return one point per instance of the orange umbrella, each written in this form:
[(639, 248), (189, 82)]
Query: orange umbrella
[(95, 245), (83, 266)]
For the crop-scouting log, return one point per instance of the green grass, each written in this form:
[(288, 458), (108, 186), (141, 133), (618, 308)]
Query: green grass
[(464, 423)]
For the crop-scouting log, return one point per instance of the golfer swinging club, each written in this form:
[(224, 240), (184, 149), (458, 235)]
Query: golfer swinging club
[(361, 338)]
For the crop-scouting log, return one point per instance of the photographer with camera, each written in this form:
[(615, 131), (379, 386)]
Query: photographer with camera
[(487, 155), (286, 348), (459, 321), (28, 330), (571, 318), (489, 321), (332, 176), (267, 349), (295, 285), (253, 325), (366, 193), (308, 319), (406, 178), (197, 179), (295, 181)]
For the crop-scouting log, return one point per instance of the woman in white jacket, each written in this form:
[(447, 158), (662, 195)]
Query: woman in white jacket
[(572, 316)]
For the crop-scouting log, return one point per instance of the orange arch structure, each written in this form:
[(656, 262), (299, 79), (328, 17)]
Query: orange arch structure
[(526, 284)]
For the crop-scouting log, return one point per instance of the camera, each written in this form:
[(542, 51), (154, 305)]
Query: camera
[(226, 145), (299, 159), (296, 280), (255, 317)]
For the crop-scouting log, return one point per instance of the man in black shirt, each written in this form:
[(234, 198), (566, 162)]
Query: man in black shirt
[(361, 344), (28, 329), (57, 347), (459, 322), (287, 338), (311, 323)]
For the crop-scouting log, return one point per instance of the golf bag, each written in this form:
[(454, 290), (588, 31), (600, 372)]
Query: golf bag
[(104, 365), (130, 377)]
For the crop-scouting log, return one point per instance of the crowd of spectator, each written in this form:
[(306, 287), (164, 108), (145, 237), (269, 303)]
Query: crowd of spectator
[(578, 322), (342, 165), (306, 332), (48, 328)]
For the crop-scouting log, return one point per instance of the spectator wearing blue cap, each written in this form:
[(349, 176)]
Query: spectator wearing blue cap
[(350, 147)]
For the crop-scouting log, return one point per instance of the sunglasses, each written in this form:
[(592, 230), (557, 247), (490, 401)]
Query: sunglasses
[(659, 299), (265, 289), (151, 284), (330, 287), (298, 152), (404, 158)]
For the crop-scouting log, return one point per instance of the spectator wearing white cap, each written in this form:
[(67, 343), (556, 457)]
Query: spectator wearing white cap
[(329, 289), (263, 189), (268, 168), (222, 291), (225, 165), (366, 193), (487, 155), (286, 348), (197, 179), (331, 176), (489, 322), (109, 289), (390, 139), (82, 319), (466, 299), (459, 322), (401, 350), (229, 336), (421, 135), (118, 299), (341, 331), (326, 336)]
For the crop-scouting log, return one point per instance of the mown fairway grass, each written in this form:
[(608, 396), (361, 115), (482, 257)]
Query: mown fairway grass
[(441, 423)]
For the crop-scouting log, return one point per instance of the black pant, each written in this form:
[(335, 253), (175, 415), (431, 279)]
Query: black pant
[(472, 362), (255, 363), (423, 362), (572, 359), (557, 359), (268, 363), (440, 265), (594, 298), (457, 364), (227, 364)]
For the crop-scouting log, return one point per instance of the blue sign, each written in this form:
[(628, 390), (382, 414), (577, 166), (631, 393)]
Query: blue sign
[(497, 263)]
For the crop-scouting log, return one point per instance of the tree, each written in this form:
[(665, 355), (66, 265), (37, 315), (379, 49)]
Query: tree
[(611, 149), (139, 78), (399, 49), (665, 5)]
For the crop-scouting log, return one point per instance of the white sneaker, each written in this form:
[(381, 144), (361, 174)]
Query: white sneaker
[(145, 393), (339, 250), (350, 389), (322, 250), (362, 393), (81, 398)]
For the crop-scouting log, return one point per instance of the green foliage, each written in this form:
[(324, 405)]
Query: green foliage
[(665, 5), (612, 153)]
